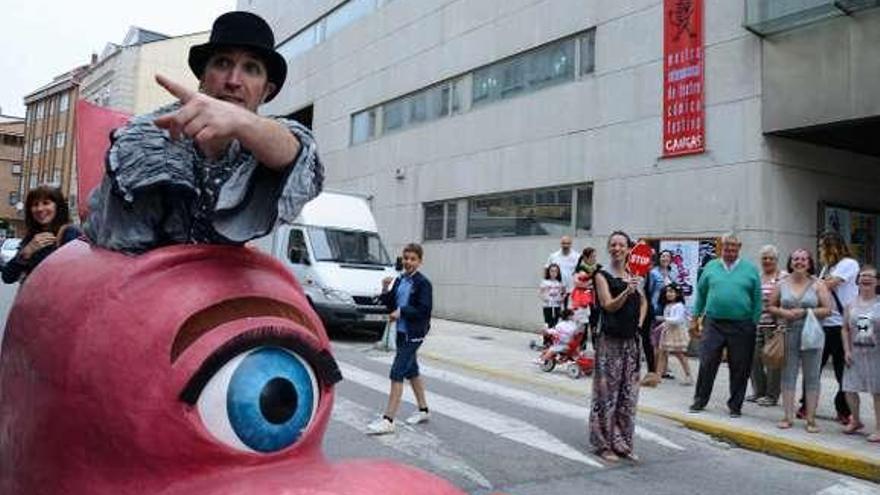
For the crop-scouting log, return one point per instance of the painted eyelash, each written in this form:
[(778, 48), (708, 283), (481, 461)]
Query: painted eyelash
[(325, 366)]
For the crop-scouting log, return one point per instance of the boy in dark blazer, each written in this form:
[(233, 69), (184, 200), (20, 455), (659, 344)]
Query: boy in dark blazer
[(410, 300)]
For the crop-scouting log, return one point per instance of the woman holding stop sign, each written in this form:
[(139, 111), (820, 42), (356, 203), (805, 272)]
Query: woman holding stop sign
[(623, 308)]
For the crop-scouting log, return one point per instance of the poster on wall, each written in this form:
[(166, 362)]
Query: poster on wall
[(860, 229), (683, 78), (689, 256), (685, 266)]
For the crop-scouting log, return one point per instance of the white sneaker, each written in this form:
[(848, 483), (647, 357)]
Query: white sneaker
[(418, 417), (380, 426)]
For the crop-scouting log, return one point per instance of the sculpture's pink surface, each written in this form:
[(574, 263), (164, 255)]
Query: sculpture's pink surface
[(93, 370)]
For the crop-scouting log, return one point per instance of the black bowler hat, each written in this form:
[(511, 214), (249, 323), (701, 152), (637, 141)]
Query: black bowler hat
[(242, 30)]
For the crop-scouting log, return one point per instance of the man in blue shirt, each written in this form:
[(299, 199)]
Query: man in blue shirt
[(410, 300)]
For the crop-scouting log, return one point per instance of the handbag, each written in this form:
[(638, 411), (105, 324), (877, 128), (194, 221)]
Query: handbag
[(812, 337), (773, 353)]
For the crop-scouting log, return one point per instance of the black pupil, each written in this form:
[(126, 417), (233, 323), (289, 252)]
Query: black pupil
[(278, 401)]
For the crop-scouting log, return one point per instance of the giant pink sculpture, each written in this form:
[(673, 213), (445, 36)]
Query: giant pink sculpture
[(186, 370)]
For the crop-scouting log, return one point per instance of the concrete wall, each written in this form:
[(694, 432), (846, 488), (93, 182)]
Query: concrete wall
[(823, 73), (603, 128)]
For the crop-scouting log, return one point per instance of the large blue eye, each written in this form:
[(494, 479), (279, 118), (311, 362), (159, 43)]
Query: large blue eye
[(261, 400)]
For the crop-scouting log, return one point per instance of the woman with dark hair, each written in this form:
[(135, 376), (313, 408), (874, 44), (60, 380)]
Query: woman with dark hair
[(659, 277), (791, 302), (839, 272), (616, 377), (47, 220)]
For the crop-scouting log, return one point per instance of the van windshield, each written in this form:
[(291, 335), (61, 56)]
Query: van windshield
[(348, 246)]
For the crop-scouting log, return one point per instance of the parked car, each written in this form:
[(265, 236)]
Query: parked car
[(9, 249), (334, 250)]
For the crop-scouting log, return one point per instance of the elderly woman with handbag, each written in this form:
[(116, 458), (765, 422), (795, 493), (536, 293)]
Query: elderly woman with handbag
[(765, 371), (800, 301)]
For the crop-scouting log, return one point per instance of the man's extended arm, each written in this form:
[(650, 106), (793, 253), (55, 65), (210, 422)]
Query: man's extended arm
[(213, 123)]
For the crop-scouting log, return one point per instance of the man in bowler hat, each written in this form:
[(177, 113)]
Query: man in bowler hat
[(207, 168)]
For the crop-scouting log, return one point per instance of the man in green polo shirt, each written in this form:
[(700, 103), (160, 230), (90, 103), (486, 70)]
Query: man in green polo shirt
[(729, 299)]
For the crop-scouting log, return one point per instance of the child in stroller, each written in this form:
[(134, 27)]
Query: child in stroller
[(565, 348)]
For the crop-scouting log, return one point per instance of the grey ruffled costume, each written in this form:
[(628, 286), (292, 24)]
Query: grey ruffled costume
[(151, 186)]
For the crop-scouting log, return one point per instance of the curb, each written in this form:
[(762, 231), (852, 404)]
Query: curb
[(805, 453)]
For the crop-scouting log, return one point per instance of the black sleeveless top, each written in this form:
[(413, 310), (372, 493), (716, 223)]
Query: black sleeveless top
[(623, 323)]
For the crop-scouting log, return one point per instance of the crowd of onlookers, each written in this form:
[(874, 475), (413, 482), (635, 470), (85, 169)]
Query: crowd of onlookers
[(776, 325)]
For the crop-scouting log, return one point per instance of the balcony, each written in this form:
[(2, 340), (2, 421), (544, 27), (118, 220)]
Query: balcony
[(767, 17)]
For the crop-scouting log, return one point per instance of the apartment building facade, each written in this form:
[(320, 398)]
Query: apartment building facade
[(11, 151)]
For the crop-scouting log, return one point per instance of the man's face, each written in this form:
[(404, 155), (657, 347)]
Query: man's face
[(730, 251), (411, 262), (565, 244), (238, 77)]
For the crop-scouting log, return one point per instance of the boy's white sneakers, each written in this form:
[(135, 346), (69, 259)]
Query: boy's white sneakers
[(381, 426), (418, 417)]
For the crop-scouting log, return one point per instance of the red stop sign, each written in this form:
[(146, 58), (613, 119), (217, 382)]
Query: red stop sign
[(639, 262)]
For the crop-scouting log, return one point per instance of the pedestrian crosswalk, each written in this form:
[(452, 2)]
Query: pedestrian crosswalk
[(491, 421)]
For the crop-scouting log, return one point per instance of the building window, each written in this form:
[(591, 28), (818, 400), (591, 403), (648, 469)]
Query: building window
[(13, 198), (64, 103), (451, 217), (324, 28), (60, 139), (553, 63), (588, 52), (38, 143), (531, 212), (16, 169), (544, 66), (584, 217), (363, 126), (56, 177), (393, 115), (39, 110), (345, 15), (33, 181), (440, 221)]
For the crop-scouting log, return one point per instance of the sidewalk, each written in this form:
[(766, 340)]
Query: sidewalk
[(505, 354)]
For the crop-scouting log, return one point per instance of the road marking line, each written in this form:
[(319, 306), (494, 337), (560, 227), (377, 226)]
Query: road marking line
[(847, 487), (417, 443), (528, 399), (484, 419)]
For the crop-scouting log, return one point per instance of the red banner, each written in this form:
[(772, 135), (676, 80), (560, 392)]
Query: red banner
[(684, 117), (93, 127)]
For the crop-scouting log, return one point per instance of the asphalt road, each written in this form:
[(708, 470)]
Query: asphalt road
[(487, 436)]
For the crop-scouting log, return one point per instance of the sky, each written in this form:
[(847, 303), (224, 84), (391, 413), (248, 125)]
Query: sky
[(41, 39)]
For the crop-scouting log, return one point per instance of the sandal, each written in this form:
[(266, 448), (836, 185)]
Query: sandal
[(812, 428), (766, 402), (784, 424), (630, 457), (874, 438), (853, 428)]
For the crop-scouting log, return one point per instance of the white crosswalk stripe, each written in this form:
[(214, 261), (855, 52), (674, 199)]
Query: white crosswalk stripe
[(524, 398), (417, 443), (847, 487), (484, 419)]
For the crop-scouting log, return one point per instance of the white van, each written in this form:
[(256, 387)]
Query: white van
[(334, 251)]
